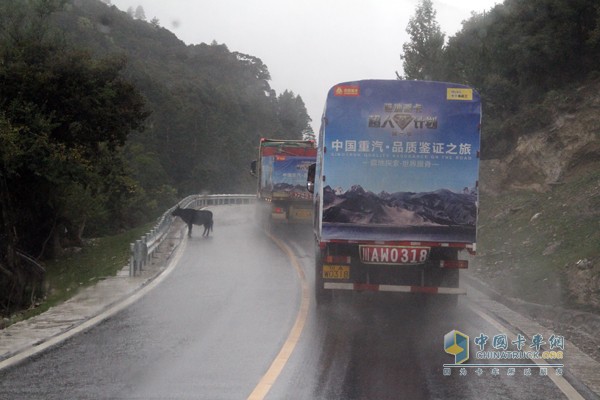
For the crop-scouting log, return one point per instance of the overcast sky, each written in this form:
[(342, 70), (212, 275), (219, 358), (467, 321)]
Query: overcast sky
[(308, 45)]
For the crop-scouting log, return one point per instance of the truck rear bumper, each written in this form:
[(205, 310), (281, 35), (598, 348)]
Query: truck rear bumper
[(393, 288), (279, 216)]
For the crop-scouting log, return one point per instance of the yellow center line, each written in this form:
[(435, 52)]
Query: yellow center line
[(269, 378)]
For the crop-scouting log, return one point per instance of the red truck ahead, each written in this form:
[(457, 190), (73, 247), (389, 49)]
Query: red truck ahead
[(281, 170)]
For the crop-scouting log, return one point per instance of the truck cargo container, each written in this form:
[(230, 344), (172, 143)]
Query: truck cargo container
[(396, 187)]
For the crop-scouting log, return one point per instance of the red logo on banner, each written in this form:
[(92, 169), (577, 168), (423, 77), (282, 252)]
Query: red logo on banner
[(347, 91)]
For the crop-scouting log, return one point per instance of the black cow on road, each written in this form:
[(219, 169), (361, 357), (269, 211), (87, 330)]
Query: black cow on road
[(195, 217)]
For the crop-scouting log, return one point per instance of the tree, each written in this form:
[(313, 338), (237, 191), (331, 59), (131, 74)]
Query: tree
[(292, 115), (467, 56), (139, 13), (308, 134), (422, 56), (65, 117)]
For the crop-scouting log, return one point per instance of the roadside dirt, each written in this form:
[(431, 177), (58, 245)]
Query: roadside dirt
[(539, 221)]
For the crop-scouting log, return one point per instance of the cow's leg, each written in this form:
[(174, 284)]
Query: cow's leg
[(190, 229)]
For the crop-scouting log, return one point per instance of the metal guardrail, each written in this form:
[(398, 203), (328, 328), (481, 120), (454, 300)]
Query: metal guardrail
[(143, 249)]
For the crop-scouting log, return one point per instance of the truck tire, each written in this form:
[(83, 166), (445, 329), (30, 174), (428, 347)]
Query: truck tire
[(444, 278), (451, 278), (452, 299), (322, 295), (447, 302)]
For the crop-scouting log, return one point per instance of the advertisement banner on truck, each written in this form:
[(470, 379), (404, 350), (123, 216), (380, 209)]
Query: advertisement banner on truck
[(286, 174), (401, 160)]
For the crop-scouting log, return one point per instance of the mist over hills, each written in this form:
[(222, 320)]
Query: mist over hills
[(209, 105)]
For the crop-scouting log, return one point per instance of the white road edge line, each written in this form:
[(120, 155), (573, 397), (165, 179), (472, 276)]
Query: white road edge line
[(269, 378), (558, 380)]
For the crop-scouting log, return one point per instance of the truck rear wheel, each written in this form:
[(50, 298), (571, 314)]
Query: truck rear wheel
[(450, 301), (441, 277), (322, 295)]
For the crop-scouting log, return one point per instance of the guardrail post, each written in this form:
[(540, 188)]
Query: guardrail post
[(143, 251), (131, 259), (153, 234), (138, 256)]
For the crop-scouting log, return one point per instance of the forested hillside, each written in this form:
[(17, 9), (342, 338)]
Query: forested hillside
[(106, 121), (209, 106)]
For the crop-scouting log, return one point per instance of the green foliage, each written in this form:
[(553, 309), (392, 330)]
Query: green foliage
[(65, 117), (309, 134), (73, 113), (422, 56), (292, 116)]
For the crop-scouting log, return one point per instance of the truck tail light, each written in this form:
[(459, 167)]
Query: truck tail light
[(338, 259)]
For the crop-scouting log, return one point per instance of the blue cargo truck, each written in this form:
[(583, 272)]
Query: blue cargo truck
[(395, 187)]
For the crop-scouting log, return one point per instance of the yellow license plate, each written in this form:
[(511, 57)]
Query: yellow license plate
[(303, 214), (336, 272)]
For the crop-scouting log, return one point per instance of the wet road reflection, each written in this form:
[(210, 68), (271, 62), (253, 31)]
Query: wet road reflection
[(213, 327), (389, 346)]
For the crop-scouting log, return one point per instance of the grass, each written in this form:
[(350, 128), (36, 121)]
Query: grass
[(528, 241), (100, 258)]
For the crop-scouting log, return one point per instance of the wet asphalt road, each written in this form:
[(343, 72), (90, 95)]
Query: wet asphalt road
[(212, 328)]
